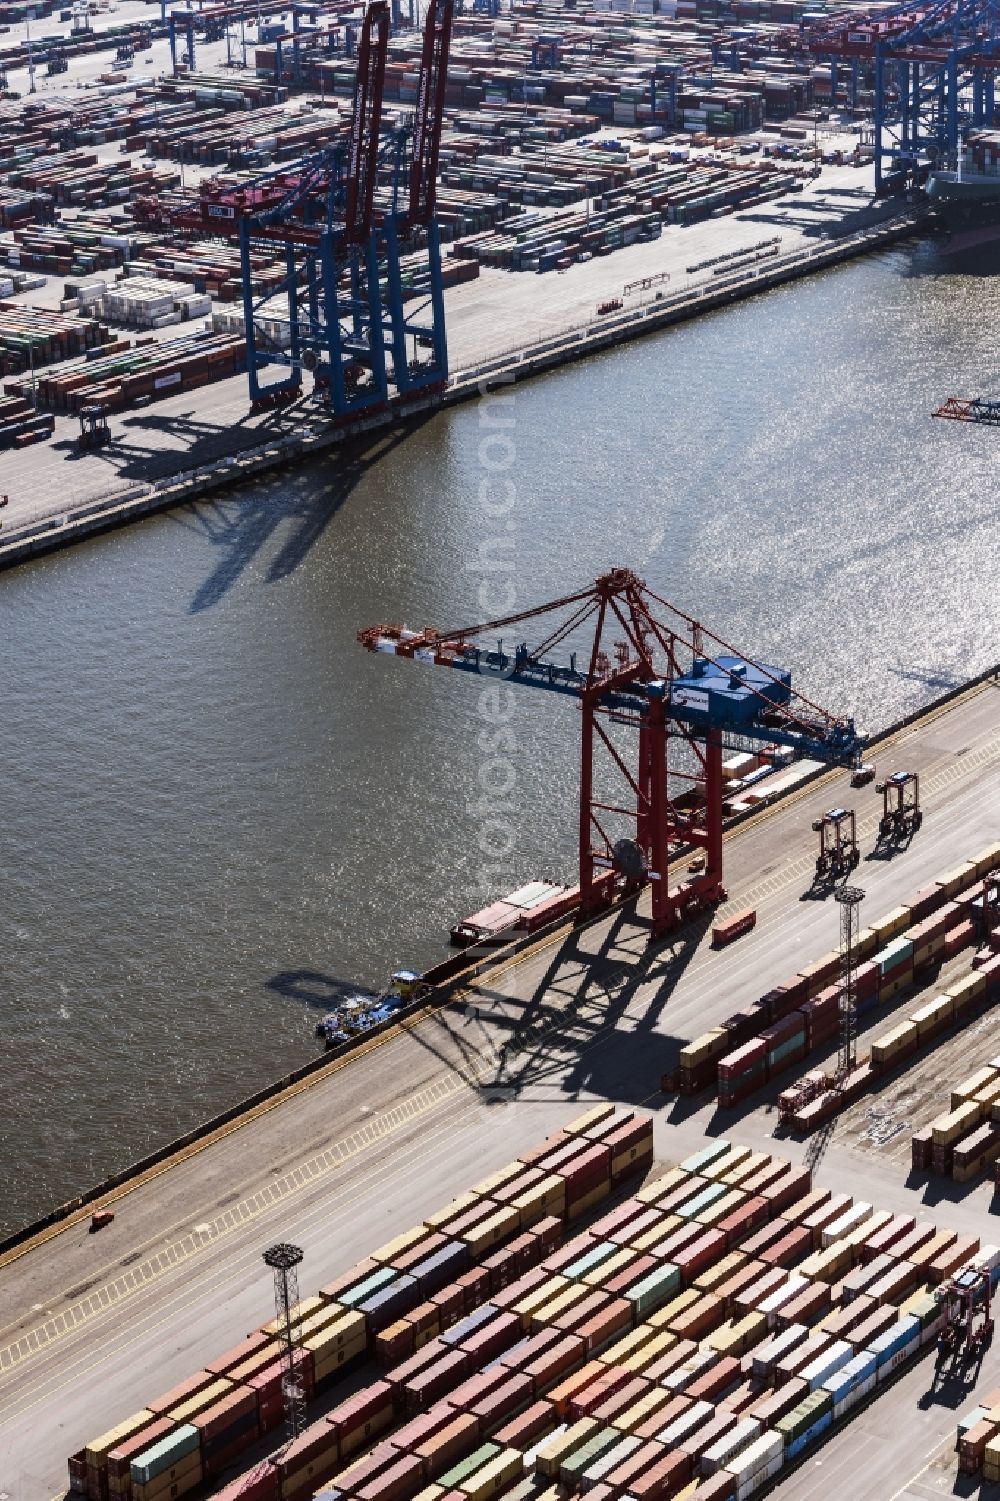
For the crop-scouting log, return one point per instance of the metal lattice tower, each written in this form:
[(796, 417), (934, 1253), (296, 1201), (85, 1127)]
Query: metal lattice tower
[(850, 899), (283, 1259)]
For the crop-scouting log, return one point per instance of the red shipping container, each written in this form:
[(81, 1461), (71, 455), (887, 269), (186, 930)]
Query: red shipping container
[(452, 1441), (395, 1483), (721, 1486), (595, 1303), (711, 1384), (456, 1300), (318, 1442), (787, 1190), (251, 1346), (743, 1058), (792, 1248), (675, 1408), (621, 1400), (562, 1395), (805, 1307), (258, 1484), (663, 1479), (433, 1241), (160, 1406), (927, 900), (534, 1155), (741, 1398), (223, 1414), (590, 1395), (557, 1361), (529, 1428), (783, 1031), (436, 1381), (748, 1274), (564, 1256), (626, 1234), (625, 1214), (520, 1356), (631, 1274), (958, 938), (778, 1002), (694, 1258), (767, 1235), (585, 1172), (119, 1461), (492, 1338), (508, 1297), (768, 1173), (478, 1384), (547, 1233), (495, 1406), (422, 1427), (620, 1478), (424, 1357), (685, 1235), (747, 1217)]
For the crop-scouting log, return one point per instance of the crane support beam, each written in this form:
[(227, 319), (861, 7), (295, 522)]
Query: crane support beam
[(366, 120)]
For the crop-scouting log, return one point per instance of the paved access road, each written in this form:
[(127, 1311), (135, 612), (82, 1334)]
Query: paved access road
[(92, 1325)]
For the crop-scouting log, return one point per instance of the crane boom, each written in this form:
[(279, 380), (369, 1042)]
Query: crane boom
[(666, 676), (430, 111)]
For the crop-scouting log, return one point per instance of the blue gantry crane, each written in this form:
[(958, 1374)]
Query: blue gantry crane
[(933, 69), (361, 306), (641, 664)]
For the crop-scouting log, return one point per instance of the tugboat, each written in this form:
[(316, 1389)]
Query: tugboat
[(362, 1011)]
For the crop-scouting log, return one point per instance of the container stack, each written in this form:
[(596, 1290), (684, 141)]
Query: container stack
[(21, 425), (117, 380), (707, 1329), (31, 336), (802, 1015), (146, 302)]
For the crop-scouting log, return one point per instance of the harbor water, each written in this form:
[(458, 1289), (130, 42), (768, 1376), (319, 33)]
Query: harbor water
[(219, 810)]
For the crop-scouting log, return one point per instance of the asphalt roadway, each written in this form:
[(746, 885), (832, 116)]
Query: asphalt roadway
[(90, 1326)]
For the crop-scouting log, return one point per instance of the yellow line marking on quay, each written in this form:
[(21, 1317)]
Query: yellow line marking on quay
[(208, 1285), (375, 1130), (183, 1154)]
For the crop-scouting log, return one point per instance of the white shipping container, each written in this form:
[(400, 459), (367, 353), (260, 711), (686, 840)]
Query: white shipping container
[(753, 1484), (767, 1355), (731, 1444), (775, 1301), (686, 1424), (756, 1455), (853, 1398), (848, 1221), (900, 1358)]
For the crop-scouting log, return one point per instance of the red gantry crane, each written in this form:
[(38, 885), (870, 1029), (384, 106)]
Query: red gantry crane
[(635, 662)]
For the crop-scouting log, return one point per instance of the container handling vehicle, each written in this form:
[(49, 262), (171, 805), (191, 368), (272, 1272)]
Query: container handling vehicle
[(968, 1322), (838, 844), (901, 812)]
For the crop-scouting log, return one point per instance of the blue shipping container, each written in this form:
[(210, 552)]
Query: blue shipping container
[(811, 1434)]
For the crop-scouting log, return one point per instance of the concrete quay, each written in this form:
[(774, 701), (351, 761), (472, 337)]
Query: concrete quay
[(358, 1153)]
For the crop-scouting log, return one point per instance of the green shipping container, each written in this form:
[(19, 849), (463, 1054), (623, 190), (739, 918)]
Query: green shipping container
[(653, 1290), (164, 1455)]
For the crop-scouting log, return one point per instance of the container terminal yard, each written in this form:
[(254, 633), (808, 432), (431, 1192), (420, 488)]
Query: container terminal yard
[(679, 1182), (519, 177), (352, 1157)]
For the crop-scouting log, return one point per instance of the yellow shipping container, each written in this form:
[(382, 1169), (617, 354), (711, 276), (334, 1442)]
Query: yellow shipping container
[(652, 1193), (328, 1359), (926, 948), (746, 1168), (629, 1344), (709, 1045), (827, 1265), (650, 1238), (482, 1238), (646, 1407), (661, 1343), (442, 1217), (598, 1275), (948, 1128), (330, 1316), (724, 1164), (207, 1397), (988, 1097), (581, 1206), (539, 1296), (550, 1456), (895, 987), (98, 1448), (430, 1493), (892, 1044), (969, 988), (498, 1475), (866, 944), (303, 1311), (712, 1276), (386, 1255), (346, 1333), (504, 1175), (958, 879), (933, 1015), (596, 1116), (665, 1317), (988, 859), (892, 923), (561, 1303), (713, 1213), (543, 1198), (973, 1086)]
